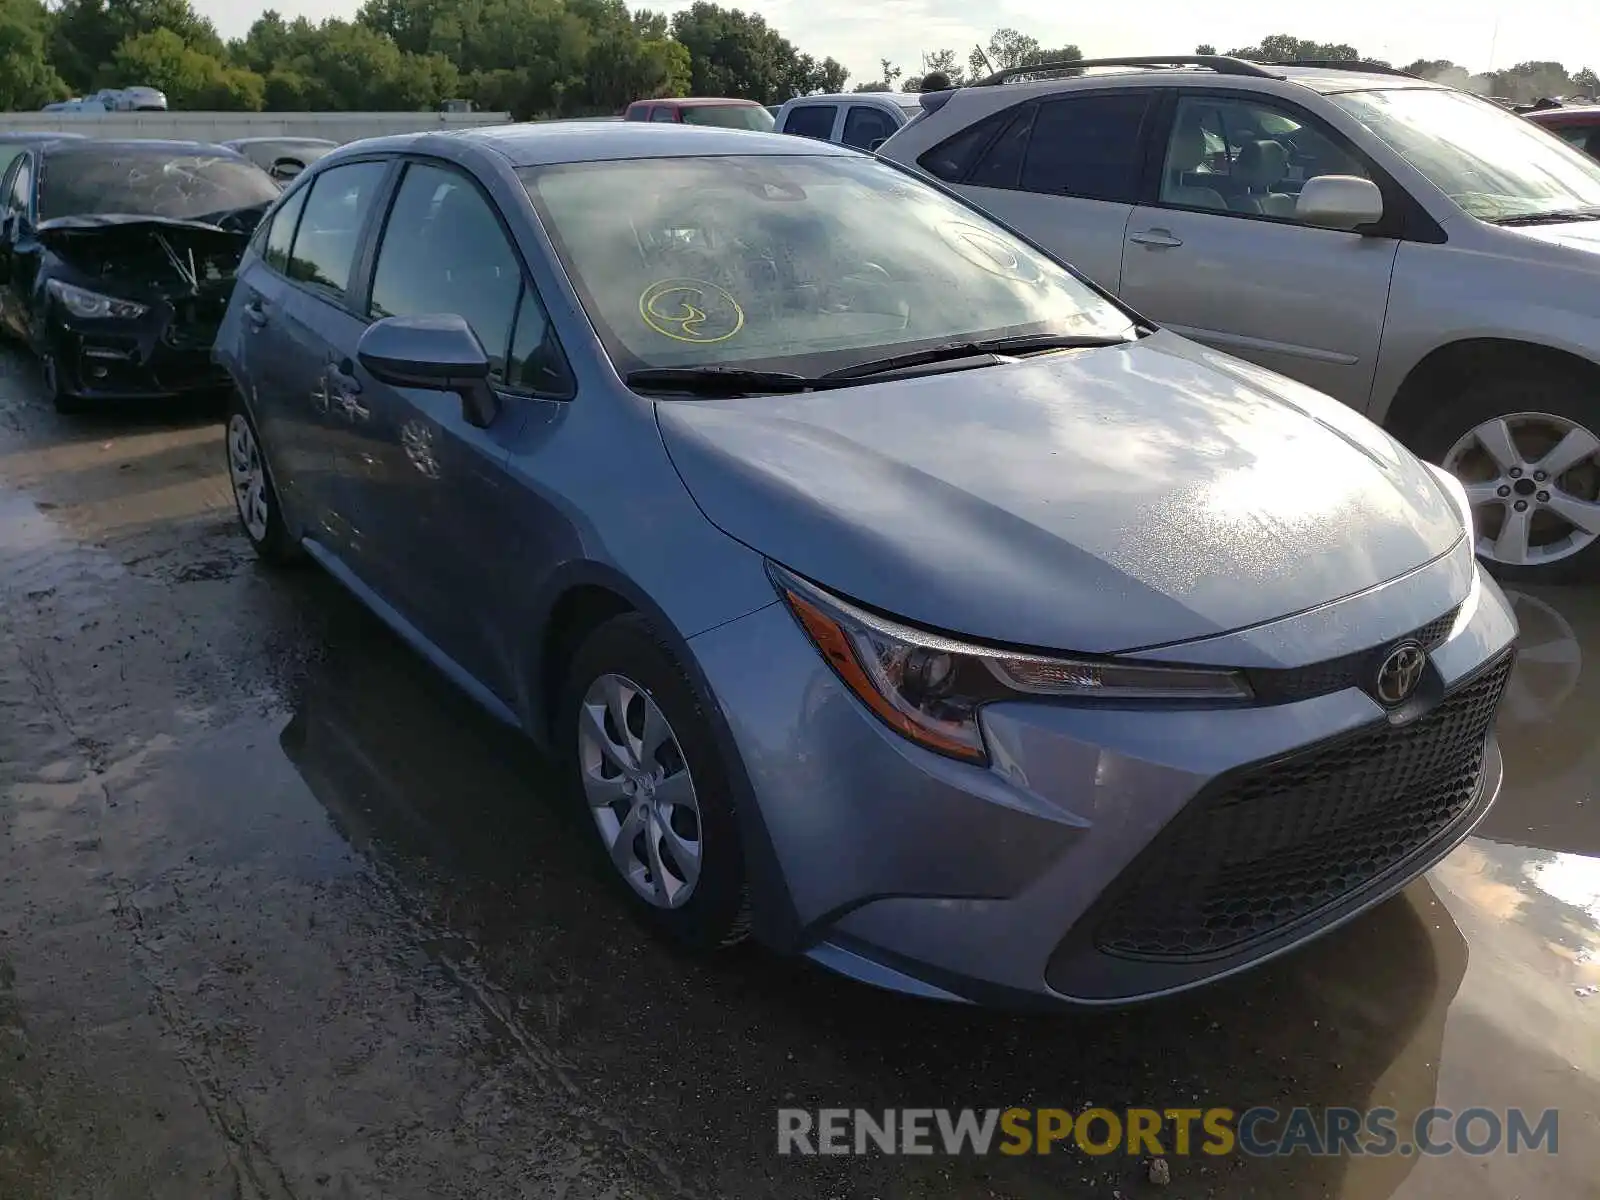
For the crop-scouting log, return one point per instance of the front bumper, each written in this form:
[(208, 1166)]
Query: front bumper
[(154, 356), (1106, 856)]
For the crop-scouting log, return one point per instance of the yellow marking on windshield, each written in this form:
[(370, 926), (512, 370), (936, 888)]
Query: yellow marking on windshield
[(691, 310)]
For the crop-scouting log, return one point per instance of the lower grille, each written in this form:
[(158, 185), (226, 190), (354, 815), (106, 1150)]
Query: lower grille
[(1278, 842)]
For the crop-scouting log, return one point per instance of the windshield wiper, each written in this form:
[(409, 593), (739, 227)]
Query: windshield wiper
[(1557, 217), (951, 351), (717, 381)]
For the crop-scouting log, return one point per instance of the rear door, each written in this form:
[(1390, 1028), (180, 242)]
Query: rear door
[(1064, 170), (1217, 253), (321, 320), (865, 125), (454, 525)]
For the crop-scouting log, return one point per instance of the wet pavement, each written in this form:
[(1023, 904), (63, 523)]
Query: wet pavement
[(283, 916)]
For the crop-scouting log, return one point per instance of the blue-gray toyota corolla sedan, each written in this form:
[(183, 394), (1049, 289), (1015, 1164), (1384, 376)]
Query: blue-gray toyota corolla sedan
[(888, 592)]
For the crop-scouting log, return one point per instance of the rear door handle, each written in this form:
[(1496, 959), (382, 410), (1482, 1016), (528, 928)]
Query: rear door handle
[(1160, 238)]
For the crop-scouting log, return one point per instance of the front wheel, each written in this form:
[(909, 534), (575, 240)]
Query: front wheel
[(1527, 452), (649, 775)]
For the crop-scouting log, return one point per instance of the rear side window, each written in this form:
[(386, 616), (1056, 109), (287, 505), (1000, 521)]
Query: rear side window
[(638, 112), (1088, 146), (280, 233), (663, 114), (811, 120), (864, 125), (1001, 164), (331, 223), (952, 158)]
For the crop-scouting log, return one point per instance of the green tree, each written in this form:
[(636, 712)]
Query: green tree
[(939, 60), (1280, 47), (189, 77), (733, 53), (27, 79), (1586, 83), (1205, 48), (86, 35)]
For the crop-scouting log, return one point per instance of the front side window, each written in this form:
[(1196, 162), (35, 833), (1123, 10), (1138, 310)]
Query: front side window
[(729, 116), (864, 125), (811, 120), (150, 183), (21, 187), (444, 251), (1248, 157), (799, 262), (280, 232), (331, 223), (1494, 165), (1087, 146)]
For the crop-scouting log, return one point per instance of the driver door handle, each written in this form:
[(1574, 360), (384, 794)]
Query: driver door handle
[(1159, 238), (254, 313)]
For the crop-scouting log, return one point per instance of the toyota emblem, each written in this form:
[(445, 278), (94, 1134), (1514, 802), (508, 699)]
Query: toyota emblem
[(1400, 673)]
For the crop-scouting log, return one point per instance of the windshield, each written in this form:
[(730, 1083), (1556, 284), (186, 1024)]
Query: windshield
[(147, 184), (797, 263), (729, 116), (1492, 163)]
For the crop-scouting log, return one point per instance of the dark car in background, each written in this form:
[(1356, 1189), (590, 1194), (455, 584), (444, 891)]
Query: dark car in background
[(1579, 125), (720, 111), (117, 259), (282, 157)]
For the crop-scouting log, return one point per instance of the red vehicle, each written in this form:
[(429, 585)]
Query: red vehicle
[(702, 110), (1578, 124)]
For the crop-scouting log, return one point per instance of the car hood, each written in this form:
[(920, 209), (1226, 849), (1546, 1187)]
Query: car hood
[(1099, 501), (1570, 235), (144, 257)]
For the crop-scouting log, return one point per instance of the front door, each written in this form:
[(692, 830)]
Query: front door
[(452, 524), (1220, 256), (19, 259)]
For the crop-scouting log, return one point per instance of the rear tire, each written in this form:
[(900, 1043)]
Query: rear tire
[(255, 497), (1500, 437), (656, 804)]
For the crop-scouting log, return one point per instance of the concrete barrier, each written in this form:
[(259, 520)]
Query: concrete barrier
[(224, 126)]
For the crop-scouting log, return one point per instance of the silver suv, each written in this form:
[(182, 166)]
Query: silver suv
[(1422, 254)]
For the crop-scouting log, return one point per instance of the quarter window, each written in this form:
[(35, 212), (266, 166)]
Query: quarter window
[(952, 158), (1087, 146), (331, 223), (811, 120), (1001, 164), (537, 364), (444, 251)]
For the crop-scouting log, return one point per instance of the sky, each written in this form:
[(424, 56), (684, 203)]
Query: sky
[(1479, 34)]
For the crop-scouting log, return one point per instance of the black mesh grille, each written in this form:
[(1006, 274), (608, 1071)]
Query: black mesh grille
[(1357, 670), (1280, 842)]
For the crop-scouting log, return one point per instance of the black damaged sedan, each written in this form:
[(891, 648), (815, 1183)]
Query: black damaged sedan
[(117, 260)]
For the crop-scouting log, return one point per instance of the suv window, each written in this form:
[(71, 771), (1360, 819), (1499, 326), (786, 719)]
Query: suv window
[(444, 251), (811, 120), (280, 231), (952, 158), (1087, 145), (331, 224), (1247, 157), (663, 113), (1001, 164), (864, 125)]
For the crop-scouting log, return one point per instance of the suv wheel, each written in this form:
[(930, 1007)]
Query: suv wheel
[(1528, 454), (651, 780)]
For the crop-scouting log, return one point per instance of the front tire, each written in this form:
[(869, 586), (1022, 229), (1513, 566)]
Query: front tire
[(1528, 452), (657, 804), (255, 498)]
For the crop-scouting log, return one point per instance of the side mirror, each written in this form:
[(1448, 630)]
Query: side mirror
[(1339, 202), (439, 353), (874, 145), (285, 169)]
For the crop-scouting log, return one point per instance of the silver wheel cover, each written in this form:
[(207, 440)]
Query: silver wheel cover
[(639, 790), (248, 476)]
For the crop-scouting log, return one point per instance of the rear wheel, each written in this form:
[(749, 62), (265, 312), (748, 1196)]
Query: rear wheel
[(255, 497), (1528, 454)]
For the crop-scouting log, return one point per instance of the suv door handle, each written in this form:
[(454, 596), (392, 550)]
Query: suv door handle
[(1159, 238)]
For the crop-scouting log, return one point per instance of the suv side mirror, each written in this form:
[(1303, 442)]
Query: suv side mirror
[(1339, 202), (876, 144), (437, 352)]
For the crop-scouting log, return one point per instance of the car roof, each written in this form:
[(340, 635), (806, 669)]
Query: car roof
[(1326, 80), (1567, 113), (279, 141), (38, 136), (545, 143), (130, 145), (699, 101), (909, 100)]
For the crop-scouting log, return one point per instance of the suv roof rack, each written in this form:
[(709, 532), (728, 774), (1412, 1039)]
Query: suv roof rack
[(1220, 63), (1344, 64)]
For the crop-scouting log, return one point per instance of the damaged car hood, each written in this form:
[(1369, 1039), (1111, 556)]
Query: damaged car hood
[(144, 256)]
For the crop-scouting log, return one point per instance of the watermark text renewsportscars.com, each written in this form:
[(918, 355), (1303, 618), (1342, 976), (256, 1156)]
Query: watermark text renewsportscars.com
[(1168, 1132)]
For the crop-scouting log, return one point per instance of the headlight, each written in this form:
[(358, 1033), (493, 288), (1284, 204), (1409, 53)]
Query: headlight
[(930, 688), (1458, 493), (81, 302)]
